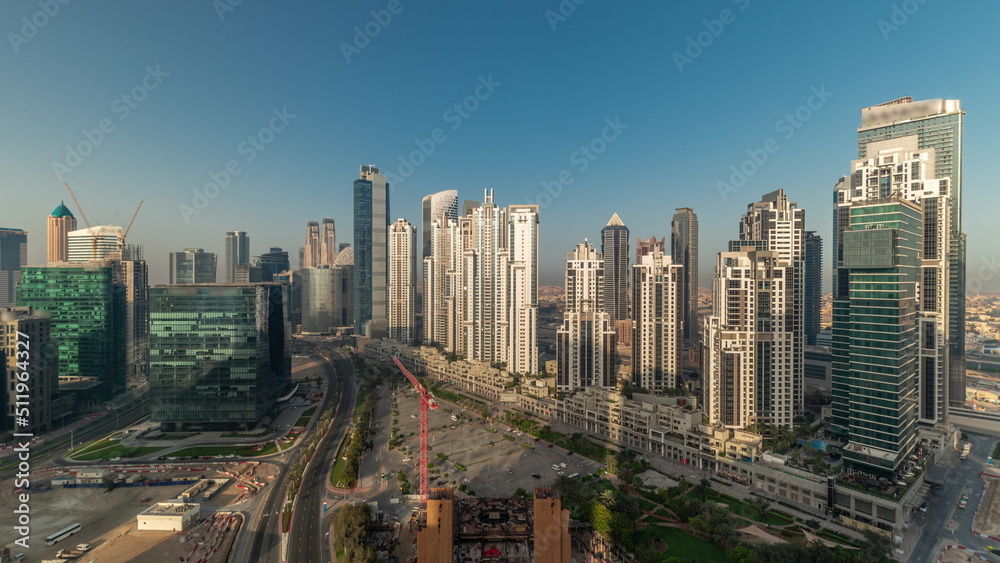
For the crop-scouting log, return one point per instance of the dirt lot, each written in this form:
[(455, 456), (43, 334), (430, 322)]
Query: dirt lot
[(959, 556), (125, 543), (988, 518)]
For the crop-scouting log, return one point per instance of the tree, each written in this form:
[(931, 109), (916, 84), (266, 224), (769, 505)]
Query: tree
[(761, 505), (520, 493), (876, 546)]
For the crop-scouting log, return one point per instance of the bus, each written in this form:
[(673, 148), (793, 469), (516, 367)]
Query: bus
[(62, 534)]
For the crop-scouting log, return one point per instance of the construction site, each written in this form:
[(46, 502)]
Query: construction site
[(494, 530), (987, 521)]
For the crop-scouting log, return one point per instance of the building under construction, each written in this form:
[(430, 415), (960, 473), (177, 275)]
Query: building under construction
[(494, 530)]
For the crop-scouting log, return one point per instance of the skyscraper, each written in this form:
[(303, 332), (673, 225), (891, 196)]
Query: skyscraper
[(272, 263), (37, 350), (201, 381), (237, 253), (442, 205), (402, 281), (644, 247), (657, 313), (523, 322), (311, 252), (684, 245), (327, 241), (937, 124), (753, 356), (87, 309), (876, 334), (95, 243), (132, 273), (13, 256), (813, 286), (317, 301), (343, 289), (60, 223), (585, 344), (371, 227), (896, 168), (192, 265), (441, 271), (614, 248)]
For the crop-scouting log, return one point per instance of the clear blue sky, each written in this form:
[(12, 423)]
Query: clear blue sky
[(551, 92)]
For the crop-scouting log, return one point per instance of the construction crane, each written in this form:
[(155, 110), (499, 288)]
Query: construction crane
[(426, 402), (93, 235), (129, 228)]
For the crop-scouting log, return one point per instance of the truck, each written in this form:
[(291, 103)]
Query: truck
[(83, 547)]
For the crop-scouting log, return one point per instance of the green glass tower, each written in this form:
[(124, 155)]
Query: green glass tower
[(219, 353), (875, 336), (88, 319)]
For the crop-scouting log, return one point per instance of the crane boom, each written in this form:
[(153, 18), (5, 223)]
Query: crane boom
[(426, 402), (78, 206), (129, 228)]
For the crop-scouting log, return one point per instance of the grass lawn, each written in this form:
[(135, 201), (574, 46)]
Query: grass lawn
[(175, 436), (243, 451), (339, 464), (683, 545), (996, 451), (646, 504), (304, 417), (114, 450), (740, 509)]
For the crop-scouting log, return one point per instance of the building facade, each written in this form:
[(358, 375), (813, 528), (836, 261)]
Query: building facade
[(237, 253), (402, 281), (219, 354), (59, 224), (614, 249), (95, 243), (657, 314), (318, 315), (684, 250), (27, 362), (371, 262), (13, 256), (586, 342), (192, 265), (523, 324), (812, 292)]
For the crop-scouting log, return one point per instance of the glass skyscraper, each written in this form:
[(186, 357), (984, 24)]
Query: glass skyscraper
[(193, 265), (371, 261), (219, 354), (875, 335), (684, 246), (237, 253), (13, 255), (614, 248), (88, 318), (813, 286)]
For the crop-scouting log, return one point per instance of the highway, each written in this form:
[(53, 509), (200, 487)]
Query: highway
[(308, 541)]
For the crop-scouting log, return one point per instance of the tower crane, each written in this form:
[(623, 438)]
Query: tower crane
[(129, 228), (426, 402)]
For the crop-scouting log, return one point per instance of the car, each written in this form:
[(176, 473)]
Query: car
[(536, 475), (537, 439), (510, 472), (569, 453), (923, 507), (550, 445)]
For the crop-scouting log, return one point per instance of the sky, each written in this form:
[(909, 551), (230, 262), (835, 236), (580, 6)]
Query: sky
[(251, 115)]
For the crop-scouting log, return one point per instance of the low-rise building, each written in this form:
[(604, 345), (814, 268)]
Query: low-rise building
[(168, 516)]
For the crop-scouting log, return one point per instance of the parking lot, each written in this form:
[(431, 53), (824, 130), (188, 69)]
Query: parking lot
[(497, 470)]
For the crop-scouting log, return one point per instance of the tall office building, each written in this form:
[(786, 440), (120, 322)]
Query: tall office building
[(440, 206), (37, 350), (371, 227), (272, 263), (132, 273), (684, 249), (237, 253), (192, 265), (343, 290), (402, 280), (95, 243), (813, 286), (59, 225), (614, 248), (523, 264), (897, 168), (87, 309), (13, 256), (327, 241), (937, 124), (293, 279), (657, 314), (753, 348), (317, 300), (311, 251), (220, 355), (585, 344), (877, 333), (441, 271)]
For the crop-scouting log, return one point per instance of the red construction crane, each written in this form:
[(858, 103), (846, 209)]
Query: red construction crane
[(426, 402)]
